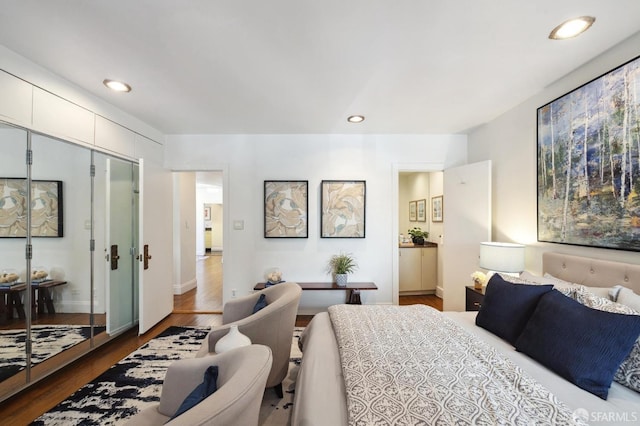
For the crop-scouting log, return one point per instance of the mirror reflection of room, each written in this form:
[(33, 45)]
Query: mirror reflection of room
[(75, 301)]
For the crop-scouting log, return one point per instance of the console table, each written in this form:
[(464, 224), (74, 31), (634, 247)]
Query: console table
[(352, 289)]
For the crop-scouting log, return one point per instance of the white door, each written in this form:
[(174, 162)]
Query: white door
[(119, 259), (466, 223), (155, 244)]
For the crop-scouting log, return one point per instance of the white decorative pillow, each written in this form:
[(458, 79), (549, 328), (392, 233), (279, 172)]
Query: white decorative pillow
[(628, 297), (560, 283), (614, 292), (537, 279), (515, 280), (628, 373)]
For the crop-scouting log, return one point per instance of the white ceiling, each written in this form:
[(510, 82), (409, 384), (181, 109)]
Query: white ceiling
[(302, 66)]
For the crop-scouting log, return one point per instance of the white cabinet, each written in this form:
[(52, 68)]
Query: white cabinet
[(418, 269), (410, 269), (16, 100), (58, 117), (148, 149), (114, 137)]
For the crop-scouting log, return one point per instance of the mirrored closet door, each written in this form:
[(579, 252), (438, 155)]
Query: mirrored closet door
[(60, 298), (13, 215)]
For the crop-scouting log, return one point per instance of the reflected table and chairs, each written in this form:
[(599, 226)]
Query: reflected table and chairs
[(11, 299)]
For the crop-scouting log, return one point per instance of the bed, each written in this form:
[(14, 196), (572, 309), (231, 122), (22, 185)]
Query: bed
[(441, 382)]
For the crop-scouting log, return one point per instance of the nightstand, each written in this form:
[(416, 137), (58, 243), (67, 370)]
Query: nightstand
[(474, 298)]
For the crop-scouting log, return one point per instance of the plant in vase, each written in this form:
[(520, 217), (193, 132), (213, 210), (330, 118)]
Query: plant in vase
[(340, 265), (418, 235)]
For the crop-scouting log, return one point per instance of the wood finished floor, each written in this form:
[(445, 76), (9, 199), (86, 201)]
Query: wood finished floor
[(194, 308)]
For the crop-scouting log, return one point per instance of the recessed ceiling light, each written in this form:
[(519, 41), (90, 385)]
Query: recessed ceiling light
[(118, 86), (572, 28), (355, 118)]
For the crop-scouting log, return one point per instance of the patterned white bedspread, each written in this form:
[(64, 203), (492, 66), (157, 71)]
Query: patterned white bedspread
[(410, 365)]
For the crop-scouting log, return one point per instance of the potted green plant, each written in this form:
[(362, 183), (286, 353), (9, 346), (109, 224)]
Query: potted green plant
[(340, 265), (418, 235)]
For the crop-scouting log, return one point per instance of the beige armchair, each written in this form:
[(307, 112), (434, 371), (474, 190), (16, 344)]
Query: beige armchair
[(242, 374), (271, 326)]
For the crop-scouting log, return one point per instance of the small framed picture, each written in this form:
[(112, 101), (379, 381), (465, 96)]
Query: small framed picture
[(413, 211), (207, 213), (436, 209), (421, 206)]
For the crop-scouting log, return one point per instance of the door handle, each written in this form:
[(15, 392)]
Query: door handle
[(146, 257), (114, 257)]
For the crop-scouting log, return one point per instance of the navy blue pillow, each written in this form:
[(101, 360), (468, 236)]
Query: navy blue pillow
[(261, 303), (201, 392), (584, 345), (506, 307)]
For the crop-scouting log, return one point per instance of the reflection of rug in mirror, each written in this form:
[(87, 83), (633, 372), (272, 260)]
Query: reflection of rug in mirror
[(47, 341), (136, 382)]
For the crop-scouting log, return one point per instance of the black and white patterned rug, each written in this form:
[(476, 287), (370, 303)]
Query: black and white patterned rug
[(136, 382), (129, 386), (47, 341), (276, 411)]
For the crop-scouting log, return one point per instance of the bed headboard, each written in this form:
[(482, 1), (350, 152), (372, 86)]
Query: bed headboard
[(591, 272)]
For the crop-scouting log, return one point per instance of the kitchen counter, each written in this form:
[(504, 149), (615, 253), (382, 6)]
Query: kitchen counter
[(411, 245)]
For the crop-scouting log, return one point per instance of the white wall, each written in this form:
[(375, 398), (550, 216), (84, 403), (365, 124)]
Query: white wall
[(251, 159), (435, 189), (185, 229), (436, 229), (217, 230), (510, 142)]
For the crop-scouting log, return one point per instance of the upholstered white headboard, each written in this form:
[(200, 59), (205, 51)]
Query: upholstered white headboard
[(591, 272)]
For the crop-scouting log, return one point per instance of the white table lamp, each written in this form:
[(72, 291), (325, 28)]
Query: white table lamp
[(502, 257)]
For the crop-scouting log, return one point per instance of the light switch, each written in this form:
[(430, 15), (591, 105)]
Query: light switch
[(238, 225)]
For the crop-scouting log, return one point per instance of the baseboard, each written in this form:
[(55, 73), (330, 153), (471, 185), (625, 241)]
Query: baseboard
[(417, 293), (439, 292), (182, 288)]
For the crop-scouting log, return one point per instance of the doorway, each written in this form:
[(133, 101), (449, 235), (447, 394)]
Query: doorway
[(199, 232), (425, 181), (418, 278)]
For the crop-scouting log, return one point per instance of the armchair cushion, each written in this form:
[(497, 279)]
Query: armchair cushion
[(202, 391), (261, 303)]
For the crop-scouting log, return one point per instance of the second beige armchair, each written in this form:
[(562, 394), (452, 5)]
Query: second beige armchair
[(271, 326)]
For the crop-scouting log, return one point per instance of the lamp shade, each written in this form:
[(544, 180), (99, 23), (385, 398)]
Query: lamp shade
[(502, 257)]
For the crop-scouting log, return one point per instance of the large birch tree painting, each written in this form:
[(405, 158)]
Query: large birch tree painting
[(589, 163)]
